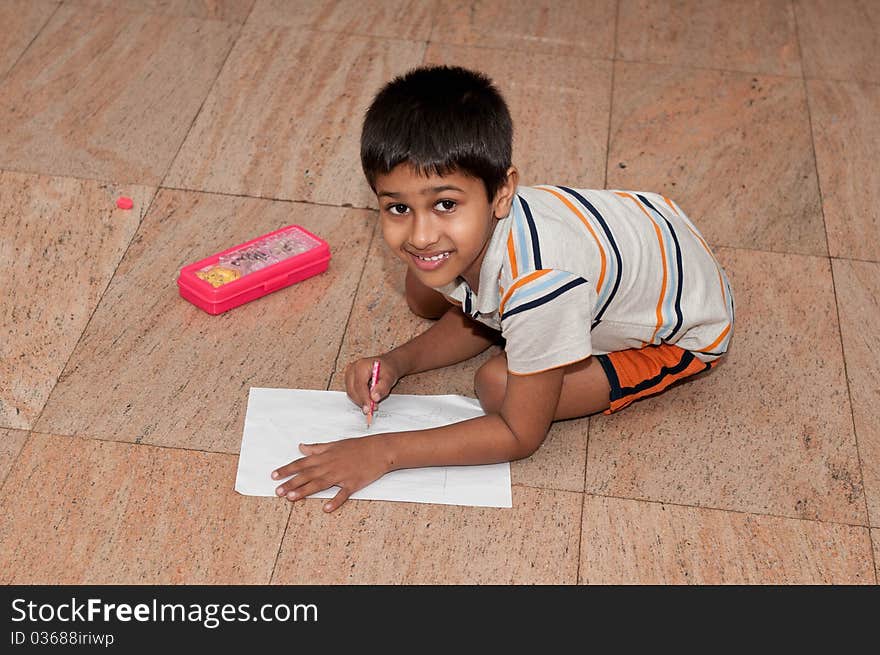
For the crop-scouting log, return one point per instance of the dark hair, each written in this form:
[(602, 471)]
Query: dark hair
[(439, 119)]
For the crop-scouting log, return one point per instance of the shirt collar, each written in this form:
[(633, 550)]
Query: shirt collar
[(489, 298)]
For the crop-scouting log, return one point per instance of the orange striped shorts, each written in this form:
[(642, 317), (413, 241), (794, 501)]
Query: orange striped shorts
[(637, 373)]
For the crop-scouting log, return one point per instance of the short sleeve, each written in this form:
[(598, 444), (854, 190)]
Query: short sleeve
[(545, 319)]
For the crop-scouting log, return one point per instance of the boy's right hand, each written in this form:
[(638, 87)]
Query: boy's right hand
[(357, 380)]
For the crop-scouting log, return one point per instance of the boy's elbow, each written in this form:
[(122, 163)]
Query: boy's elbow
[(525, 442), (527, 448)]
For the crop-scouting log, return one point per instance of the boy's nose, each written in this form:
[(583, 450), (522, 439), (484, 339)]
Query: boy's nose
[(424, 232)]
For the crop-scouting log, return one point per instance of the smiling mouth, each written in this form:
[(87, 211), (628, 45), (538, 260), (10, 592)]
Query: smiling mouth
[(429, 262), (434, 258)]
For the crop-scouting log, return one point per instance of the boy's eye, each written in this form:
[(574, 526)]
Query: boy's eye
[(445, 205), (397, 210)]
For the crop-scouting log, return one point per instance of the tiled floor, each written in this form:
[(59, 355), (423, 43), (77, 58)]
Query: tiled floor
[(122, 406)]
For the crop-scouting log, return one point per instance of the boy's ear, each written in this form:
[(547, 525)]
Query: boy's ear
[(506, 192)]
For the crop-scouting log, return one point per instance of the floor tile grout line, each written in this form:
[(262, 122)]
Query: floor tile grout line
[(351, 307), (611, 98), (580, 527), (32, 433), (14, 462), (866, 526), (604, 186), (427, 43), (205, 99), (346, 205), (122, 442), (149, 12), (714, 69), (834, 288), (854, 259), (584, 493), (166, 187), (430, 39), (341, 32), (435, 7), (812, 132), (852, 410), (780, 252), (281, 541), (98, 300), (613, 58), (168, 14), (83, 178), (31, 42), (318, 203), (526, 486), (840, 80), (327, 387)]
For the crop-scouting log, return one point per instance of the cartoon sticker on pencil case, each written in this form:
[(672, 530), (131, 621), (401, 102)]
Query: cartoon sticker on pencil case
[(217, 276)]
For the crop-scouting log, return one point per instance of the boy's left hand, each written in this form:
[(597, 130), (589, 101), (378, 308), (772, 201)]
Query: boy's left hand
[(350, 464)]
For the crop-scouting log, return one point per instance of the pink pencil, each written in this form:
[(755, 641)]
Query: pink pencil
[(373, 380)]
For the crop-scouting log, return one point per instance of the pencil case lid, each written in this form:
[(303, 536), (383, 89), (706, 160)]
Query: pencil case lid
[(255, 268)]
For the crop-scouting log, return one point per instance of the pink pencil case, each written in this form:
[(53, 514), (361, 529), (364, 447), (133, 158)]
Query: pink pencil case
[(253, 269)]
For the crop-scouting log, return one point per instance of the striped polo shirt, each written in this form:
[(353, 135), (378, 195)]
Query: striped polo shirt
[(571, 273)]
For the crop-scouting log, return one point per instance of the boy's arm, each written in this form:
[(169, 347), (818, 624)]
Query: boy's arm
[(515, 432), (453, 338)]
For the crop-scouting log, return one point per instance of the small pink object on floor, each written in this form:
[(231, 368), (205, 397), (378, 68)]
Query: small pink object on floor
[(124, 202)]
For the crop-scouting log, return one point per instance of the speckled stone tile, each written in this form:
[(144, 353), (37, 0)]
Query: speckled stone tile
[(276, 127), (152, 367), (733, 149), (83, 511), (108, 95), (11, 442), (767, 431), (858, 303), (21, 20), (846, 130), (380, 321), (584, 28), (634, 542), (60, 241), (756, 36), (227, 10), (839, 39), (560, 462), (396, 19), (372, 542), (559, 104)]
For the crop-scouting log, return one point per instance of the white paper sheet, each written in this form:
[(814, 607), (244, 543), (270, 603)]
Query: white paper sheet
[(279, 420)]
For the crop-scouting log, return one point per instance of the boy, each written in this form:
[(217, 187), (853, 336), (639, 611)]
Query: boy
[(602, 297)]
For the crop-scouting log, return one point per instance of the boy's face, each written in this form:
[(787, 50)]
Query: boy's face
[(439, 225)]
